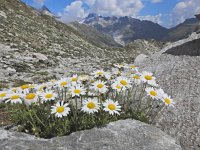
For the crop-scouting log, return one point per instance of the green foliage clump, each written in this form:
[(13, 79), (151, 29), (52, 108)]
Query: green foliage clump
[(58, 108)]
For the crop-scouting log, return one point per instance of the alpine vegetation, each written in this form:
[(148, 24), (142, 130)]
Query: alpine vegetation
[(60, 107)]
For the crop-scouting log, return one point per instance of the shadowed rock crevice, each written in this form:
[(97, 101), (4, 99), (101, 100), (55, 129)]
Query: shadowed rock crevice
[(191, 48)]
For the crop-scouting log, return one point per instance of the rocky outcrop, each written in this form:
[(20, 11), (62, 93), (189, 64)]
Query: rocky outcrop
[(191, 48), (144, 47), (180, 77), (120, 135)]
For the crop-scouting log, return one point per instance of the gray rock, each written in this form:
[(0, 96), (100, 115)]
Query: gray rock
[(180, 77), (40, 57), (11, 70), (140, 58), (120, 135)]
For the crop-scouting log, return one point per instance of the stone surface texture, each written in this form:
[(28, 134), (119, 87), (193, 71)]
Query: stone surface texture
[(180, 77), (120, 135)]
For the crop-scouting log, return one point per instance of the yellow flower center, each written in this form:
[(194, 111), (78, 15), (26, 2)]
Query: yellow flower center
[(30, 96), (74, 79), (14, 97), (118, 86), (147, 77), (132, 67), (99, 73), (100, 86), (23, 87), (49, 95), (63, 83), (153, 93), (167, 101), (91, 105), (124, 82), (111, 106), (77, 91), (60, 109), (136, 77), (3, 95)]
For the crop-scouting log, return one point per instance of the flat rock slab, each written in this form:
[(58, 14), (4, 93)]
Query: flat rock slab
[(179, 76), (191, 48), (119, 135)]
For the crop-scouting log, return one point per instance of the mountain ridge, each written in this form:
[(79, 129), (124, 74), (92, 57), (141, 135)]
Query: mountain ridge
[(127, 29)]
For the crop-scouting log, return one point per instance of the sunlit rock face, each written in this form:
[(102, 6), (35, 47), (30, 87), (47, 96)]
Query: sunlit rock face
[(120, 135), (177, 68)]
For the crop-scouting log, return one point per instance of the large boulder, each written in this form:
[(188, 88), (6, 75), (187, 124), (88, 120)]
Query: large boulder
[(120, 135), (178, 72)]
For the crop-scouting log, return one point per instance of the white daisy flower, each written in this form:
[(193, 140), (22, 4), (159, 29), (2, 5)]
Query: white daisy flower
[(168, 101), (30, 98), (64, 82), (77, 90), (40, 87), (100, 86), (90, 106), (74, 79), (117, 86), (136, 79), (14, 98), (60, 109), (122, 65), (153, 93), (3, 96), (126, 83), (111, 107), (92, 93), (132, 67), (161, 93), (24, 87), (116, 71), (147, 77), (48, 96), (83, 78), (101, 73), (32, 86)]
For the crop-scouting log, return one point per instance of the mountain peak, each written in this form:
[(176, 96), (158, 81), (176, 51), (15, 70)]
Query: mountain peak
[(45, 11), (92, 15), (44, 8)]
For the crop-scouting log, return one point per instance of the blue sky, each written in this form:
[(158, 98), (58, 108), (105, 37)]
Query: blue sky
[(168, 13)]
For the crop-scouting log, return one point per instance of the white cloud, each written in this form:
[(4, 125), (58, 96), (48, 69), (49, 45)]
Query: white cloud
[(89, 2), (117, 7), (183, 10), (156, 18), (39, 2), (74, 11), (156, 1)]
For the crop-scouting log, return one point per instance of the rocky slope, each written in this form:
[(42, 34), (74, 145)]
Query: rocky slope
[(98, 38), (146, 47), (126, 29), (36, 47), (182, 30), (179, 74), (120, 135)]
